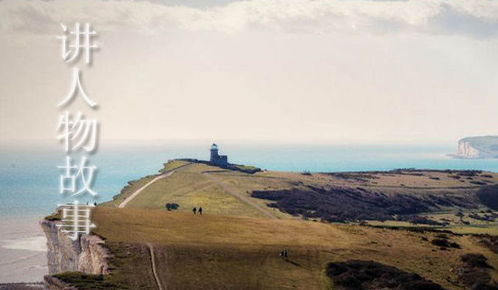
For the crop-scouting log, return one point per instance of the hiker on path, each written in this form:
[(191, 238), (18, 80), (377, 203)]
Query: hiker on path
[(194, 210), (200, 210)]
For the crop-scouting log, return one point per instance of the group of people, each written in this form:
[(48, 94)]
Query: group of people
[(284, 254), (195, 210)]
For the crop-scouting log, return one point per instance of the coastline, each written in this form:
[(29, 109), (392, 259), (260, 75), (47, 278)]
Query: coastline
[(20, 241), (23, 253)]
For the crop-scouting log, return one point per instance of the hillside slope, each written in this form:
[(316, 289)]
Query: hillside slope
[(422, 196), (229, 252), (249, 219)]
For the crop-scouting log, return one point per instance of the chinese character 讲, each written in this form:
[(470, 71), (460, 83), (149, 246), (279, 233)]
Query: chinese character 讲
[(82, 40)]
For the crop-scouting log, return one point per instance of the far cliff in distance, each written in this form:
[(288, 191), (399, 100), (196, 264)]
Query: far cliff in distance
[(479, 147)]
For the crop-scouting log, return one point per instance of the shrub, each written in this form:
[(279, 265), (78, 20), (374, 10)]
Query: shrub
[(475, 272), (444, 243), (475, 260), (356, 274), (478, 182), (353, 204), (488, 196), (85, 281), (54, 217), (172, 206)]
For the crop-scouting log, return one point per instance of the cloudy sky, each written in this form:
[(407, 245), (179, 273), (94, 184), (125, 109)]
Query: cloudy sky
[(323, 71)]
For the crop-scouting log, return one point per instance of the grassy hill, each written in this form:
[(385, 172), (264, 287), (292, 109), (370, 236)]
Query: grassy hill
[(395, 197), (230, 252), (250, 218)]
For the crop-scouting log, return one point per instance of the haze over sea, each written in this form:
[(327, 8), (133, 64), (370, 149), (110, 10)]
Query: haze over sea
[(29, 180)]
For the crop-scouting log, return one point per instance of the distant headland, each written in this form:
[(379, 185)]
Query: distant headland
[(479, 147)]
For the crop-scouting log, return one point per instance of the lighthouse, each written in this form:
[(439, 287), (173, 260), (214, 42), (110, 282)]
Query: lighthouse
[(216, 158)]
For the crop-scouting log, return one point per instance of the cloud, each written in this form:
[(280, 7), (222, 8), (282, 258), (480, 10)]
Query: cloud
[(476, 18)]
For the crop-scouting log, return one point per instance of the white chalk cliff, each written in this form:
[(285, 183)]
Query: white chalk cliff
[(482, 147), (87, 254)]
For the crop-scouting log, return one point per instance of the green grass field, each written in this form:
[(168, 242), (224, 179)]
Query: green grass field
[(198, 185), (227, 192)]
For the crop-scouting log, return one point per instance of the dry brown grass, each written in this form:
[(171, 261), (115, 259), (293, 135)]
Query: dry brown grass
[(223, 252), (233, 246)]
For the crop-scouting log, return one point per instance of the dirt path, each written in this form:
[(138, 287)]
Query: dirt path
[(239, 196), (153, 263), (133, 195)]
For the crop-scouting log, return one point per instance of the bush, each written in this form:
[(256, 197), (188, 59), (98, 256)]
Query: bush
[(490, 242), (475, 272), (488, 196), (478, 182), (357, 274), (54, 217), (172, 206), (476, 260), (85, 281), (354, 204), (443, 243)]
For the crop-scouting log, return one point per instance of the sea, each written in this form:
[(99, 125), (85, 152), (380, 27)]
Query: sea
[(29, 179)]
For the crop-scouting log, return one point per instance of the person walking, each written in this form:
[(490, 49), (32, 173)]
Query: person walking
[(200, 210), (194, 210)]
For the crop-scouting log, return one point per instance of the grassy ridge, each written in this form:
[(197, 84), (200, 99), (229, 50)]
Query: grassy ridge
[(221, 191), (234, 246), (191, 190)]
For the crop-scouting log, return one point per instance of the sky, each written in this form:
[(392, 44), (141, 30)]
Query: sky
[(290, 71)]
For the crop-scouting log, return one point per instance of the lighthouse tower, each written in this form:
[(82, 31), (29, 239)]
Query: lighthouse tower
[(216, 159), (214, 153)]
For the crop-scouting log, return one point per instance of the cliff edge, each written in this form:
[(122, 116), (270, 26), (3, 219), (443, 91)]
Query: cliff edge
[(87, 254)]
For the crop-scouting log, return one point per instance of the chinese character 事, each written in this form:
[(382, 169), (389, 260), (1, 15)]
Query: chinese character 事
[(75, 219)]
